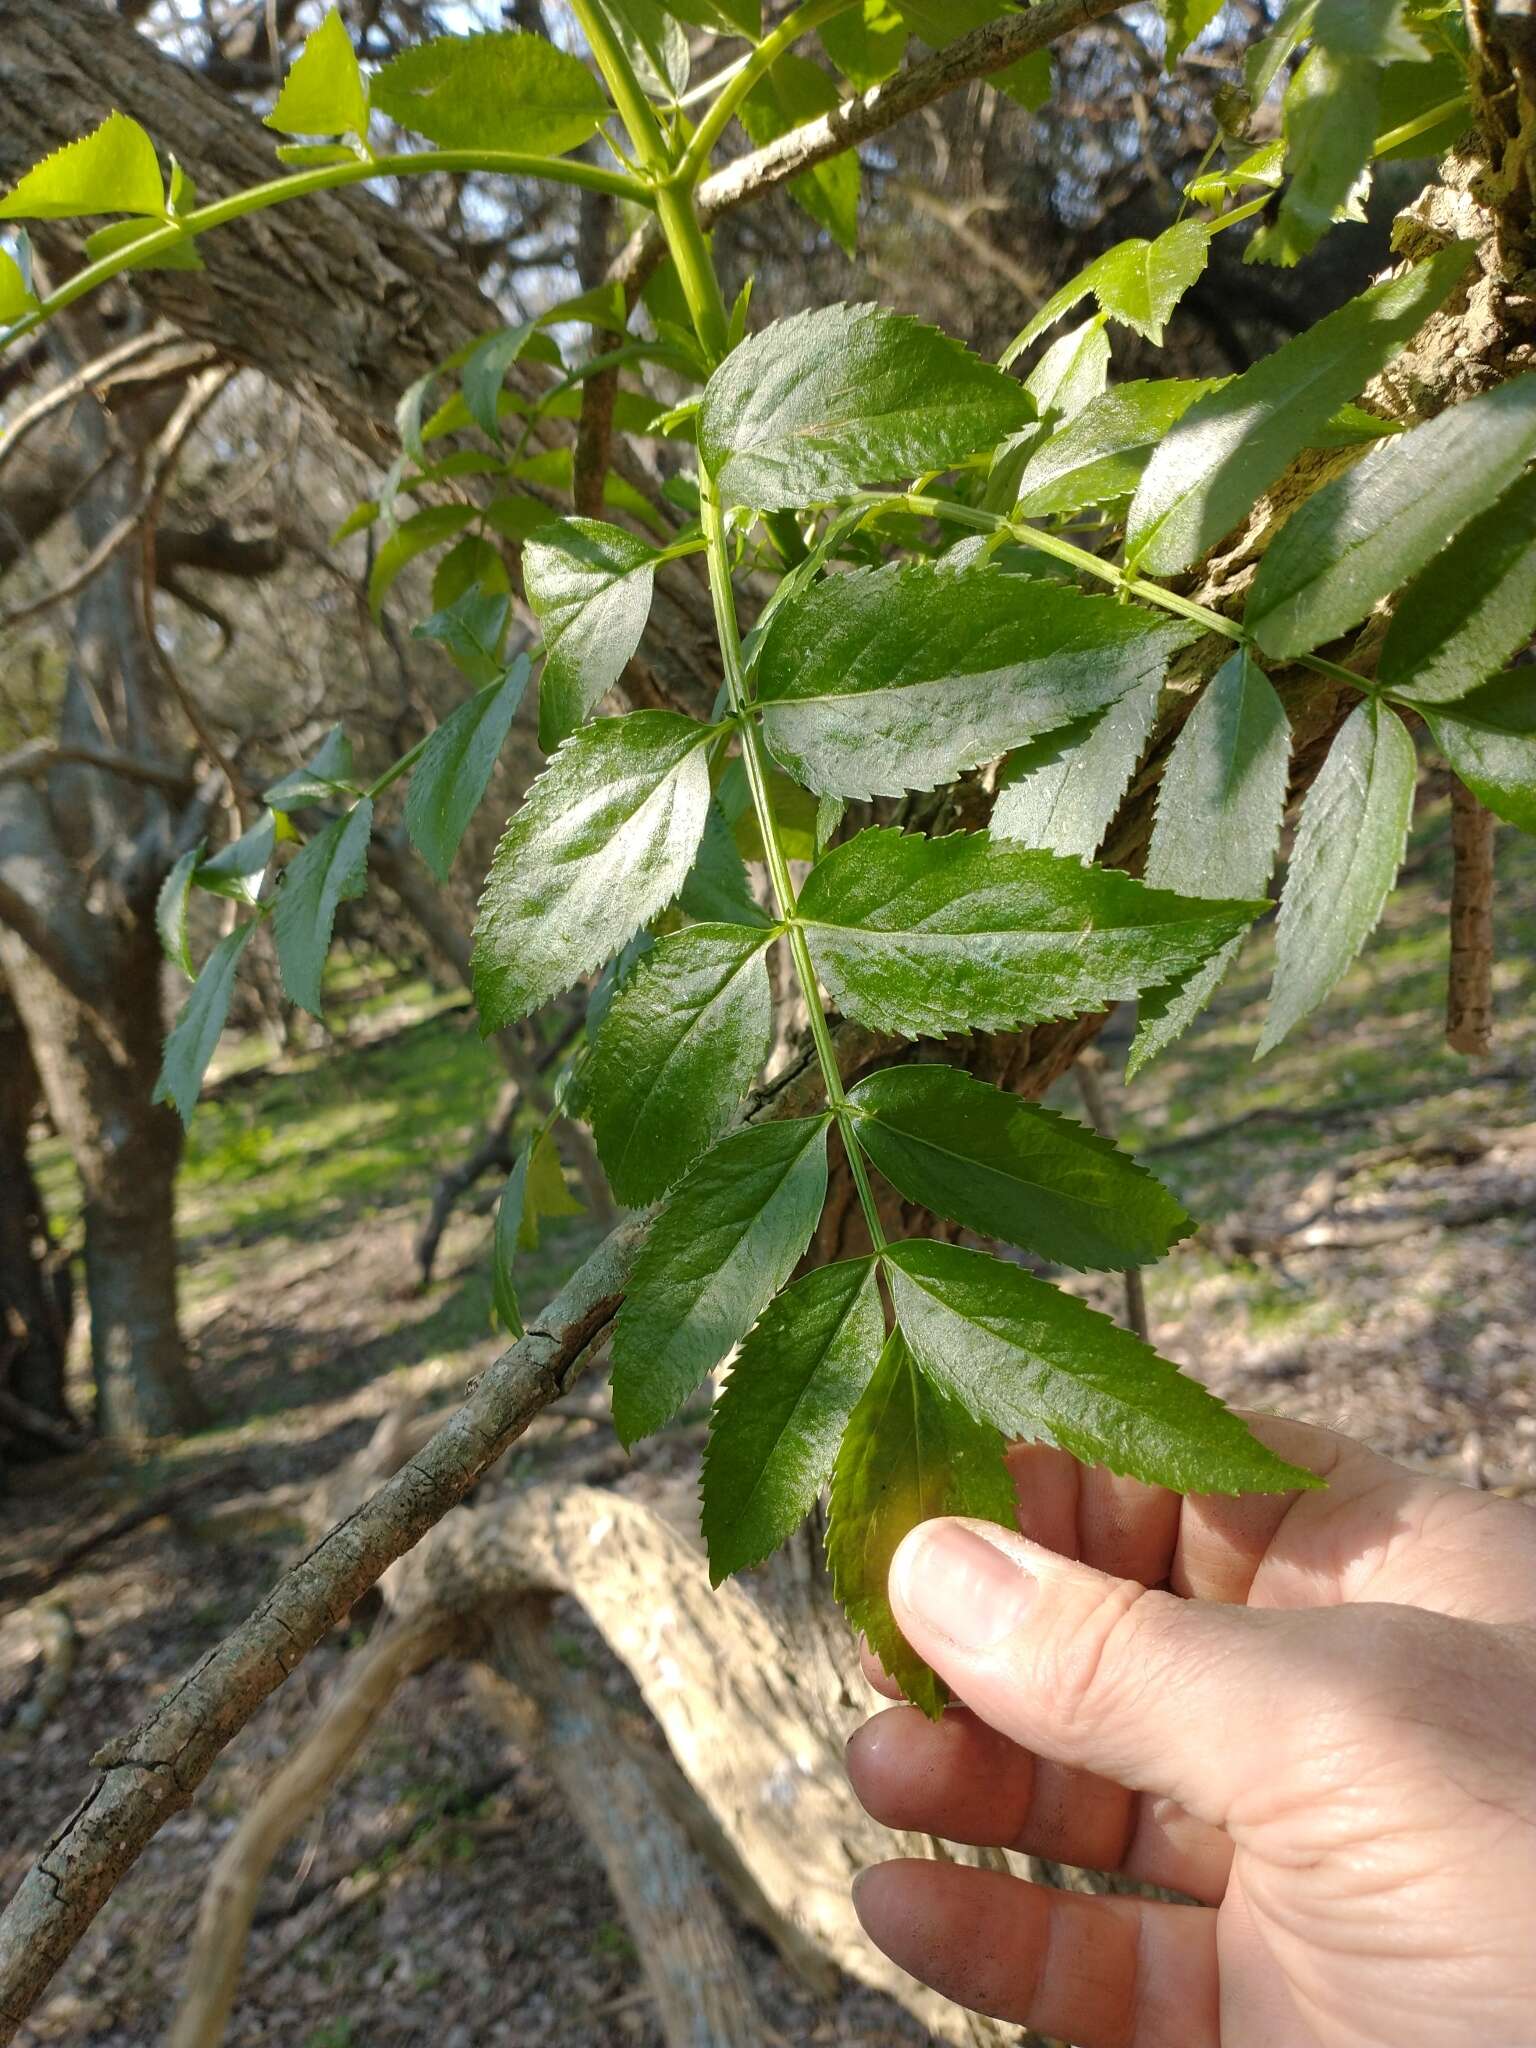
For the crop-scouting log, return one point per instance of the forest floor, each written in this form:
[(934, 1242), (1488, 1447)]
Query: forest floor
[(1366, 1258)]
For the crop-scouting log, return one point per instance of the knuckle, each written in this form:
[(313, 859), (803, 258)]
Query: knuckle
[(1098, 1657)]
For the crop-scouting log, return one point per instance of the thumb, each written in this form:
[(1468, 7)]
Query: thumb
[(1169, 1696)]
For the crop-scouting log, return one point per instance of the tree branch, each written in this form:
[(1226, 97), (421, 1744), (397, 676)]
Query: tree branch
[(153, 1773), (993, 47), (36, 757), (1469, 990)]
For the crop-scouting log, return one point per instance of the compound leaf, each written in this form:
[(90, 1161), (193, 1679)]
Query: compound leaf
[(679, 1046), (829, 400), (1349, 845), (774, 1432), (589, 584), (455, 767), (725, 1244), (1038, 1363), (967, 932), (1012, 1170), (891, 679)]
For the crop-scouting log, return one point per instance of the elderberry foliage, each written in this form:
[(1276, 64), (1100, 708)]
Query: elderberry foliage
[(887, 524)]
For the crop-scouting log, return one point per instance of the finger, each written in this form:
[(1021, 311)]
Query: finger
[(1101, 1972), (1046, 1483), (1224, 1542), (959, 1779), (1102, 1674), (875, 1673)]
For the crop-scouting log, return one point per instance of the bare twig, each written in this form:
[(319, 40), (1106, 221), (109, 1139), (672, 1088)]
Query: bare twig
[(36, 757), (1469, 989), (1089, 1070), (152, 357)]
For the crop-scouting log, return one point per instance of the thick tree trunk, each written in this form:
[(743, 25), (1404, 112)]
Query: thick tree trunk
[(34, 1286), (126, 1151)]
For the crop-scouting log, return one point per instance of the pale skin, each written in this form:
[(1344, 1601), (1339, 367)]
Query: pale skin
[(1319, 1724)]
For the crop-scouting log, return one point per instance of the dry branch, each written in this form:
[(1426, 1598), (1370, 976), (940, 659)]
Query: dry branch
[(295, 1792), (1469, 989)]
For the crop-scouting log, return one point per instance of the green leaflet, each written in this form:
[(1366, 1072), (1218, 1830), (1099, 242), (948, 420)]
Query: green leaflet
[(1220, 807), (1268, 59), (654, 43), (473, 565), (1137, 282), (604, 840), (504, 1244), (829, 400), (1187, 19), (1349, 845), (890, 679), (1232, 444), (327, 773), (1376, 30), (793, 92), (193, 1036), (1062, 791), (865, 43), (426, 529), (171, 910), (112, 170), (680, 1044), (331, 870), (1038, 1363), (1330, 121), (455, 767), (497, 91), (924, 936), (724, 17), (122, 234), (726, 1243), (590, 587), (1068, 377), (1099, 456), (1012, 1170), (718, 890), (471, 629), (774, 1431), (1222, 797), (324, 93), (911, 1452), (238, 869), (1489, 738), (484, 373), (1470, 609), (1362, 536), (17, 297)]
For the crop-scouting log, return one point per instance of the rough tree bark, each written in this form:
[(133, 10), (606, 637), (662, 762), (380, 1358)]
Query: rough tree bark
[(34, 1286)]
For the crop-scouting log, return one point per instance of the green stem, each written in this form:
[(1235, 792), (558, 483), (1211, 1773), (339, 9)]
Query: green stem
[(635, 110), (1420, 124), (689, 249), (1124, 580), (324, 178), (724, 601), (695, 159)]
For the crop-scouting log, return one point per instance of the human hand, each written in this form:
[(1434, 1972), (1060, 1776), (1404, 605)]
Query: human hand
[(1322, 1727)]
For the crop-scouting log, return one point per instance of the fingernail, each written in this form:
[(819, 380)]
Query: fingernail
[(962, 1586)]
